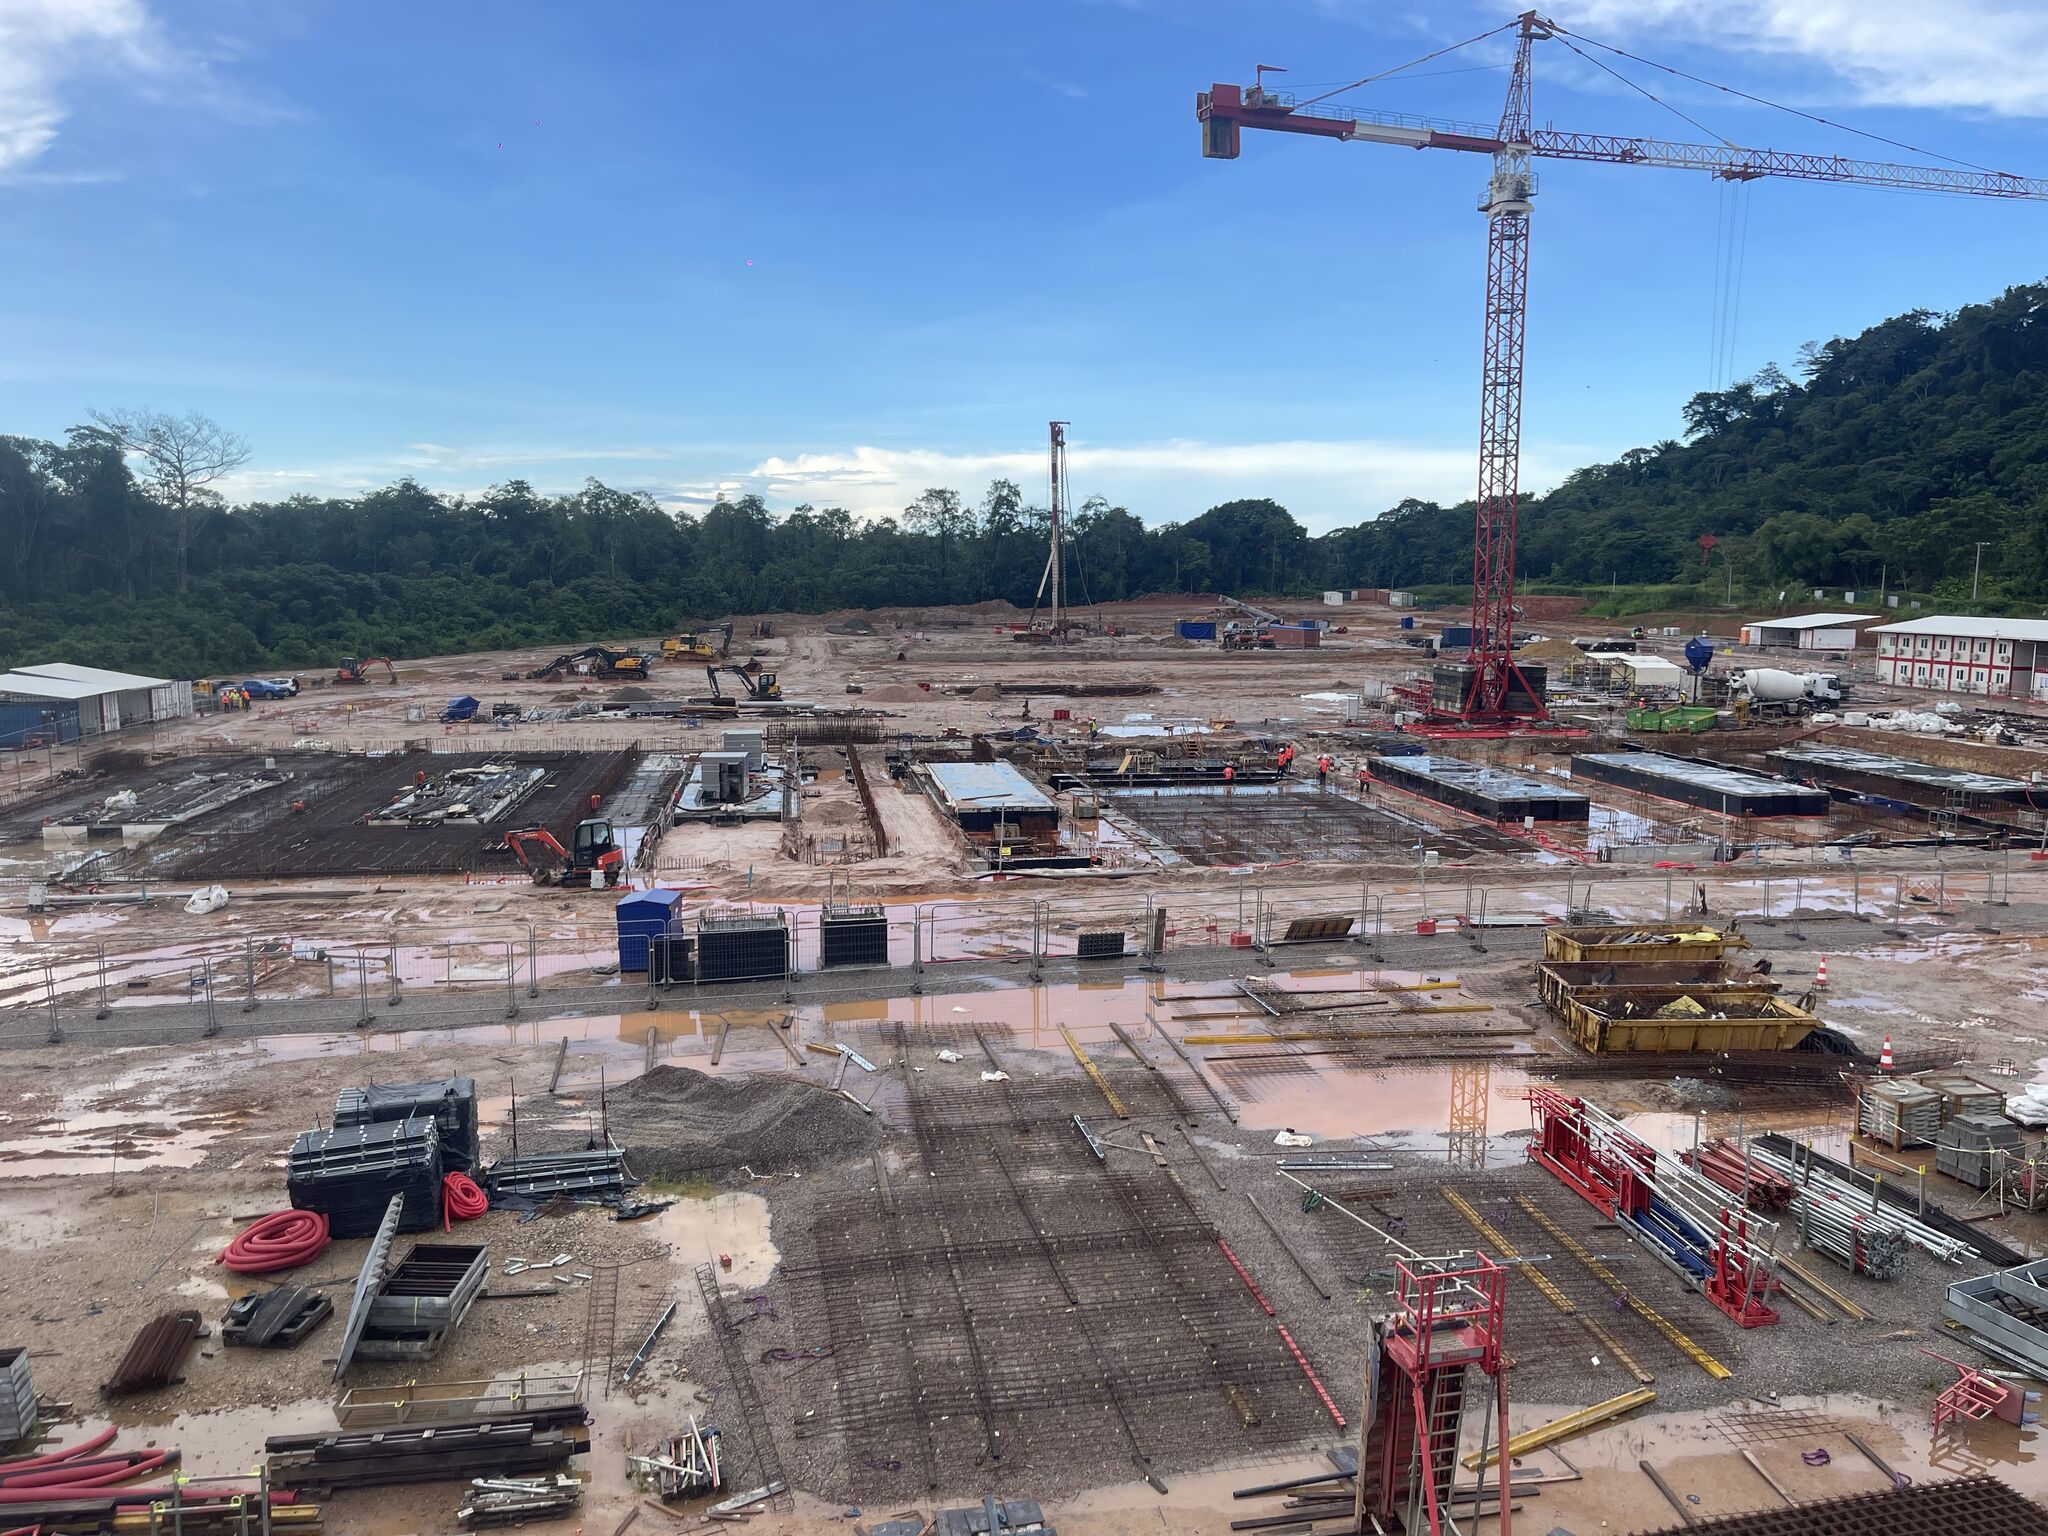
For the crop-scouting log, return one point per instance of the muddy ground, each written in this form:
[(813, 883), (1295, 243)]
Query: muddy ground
[(127, 1170)]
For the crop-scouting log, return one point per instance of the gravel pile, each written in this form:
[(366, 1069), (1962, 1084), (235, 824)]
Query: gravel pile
[(675, 1122)]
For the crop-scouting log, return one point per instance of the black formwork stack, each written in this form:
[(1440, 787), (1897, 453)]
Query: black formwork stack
[(743, 947), (450, 1102), (350, 1173), (853, 936)]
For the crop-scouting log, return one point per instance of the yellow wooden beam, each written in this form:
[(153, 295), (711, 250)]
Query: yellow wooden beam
[(1565, 1428)]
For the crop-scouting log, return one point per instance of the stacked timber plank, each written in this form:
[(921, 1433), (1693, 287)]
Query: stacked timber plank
[(511, 1445), (156, 1355)]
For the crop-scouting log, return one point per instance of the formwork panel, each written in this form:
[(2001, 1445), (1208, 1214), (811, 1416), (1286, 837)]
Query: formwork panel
[(1482, 790), (1692, 781), (1903, 777)]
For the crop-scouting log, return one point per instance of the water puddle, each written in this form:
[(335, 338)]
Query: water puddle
[(107, 1141), (727, 1230)]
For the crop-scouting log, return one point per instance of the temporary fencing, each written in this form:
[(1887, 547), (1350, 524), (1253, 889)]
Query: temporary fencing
[(306, 977)]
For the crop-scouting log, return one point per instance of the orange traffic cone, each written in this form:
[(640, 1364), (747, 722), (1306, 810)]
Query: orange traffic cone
[(1820, 977), (1884, 1057)]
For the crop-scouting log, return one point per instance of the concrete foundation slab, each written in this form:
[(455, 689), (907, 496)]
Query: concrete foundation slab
[(1693, 781), (1482, 790), (1877, 773)]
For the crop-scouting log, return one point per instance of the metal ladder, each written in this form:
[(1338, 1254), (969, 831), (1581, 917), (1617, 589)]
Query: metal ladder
[(601, 1325)]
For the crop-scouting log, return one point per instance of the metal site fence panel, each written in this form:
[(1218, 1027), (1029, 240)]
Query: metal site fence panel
[(510, 967)]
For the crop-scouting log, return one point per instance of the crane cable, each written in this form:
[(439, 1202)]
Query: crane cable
[(1383, 74), (1779, 106), (1731, 231)]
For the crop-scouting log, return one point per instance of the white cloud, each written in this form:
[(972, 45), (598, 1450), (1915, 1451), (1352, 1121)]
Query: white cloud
[(55, 52), (46, 46), (1971, 54), (1325, 483)]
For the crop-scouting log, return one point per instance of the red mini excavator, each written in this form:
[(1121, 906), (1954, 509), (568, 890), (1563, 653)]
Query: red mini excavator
[(594, 849), (353, 671)]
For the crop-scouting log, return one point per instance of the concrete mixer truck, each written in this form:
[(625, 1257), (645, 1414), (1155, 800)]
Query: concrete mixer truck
[(1774, 690)]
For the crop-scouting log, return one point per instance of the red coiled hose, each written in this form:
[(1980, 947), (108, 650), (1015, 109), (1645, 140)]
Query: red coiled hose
[(461, 1200), (281, 1240), (51, 1458)]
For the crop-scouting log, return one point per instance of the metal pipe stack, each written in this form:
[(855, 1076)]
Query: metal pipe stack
[(1861, 1242), (1815, 1187)]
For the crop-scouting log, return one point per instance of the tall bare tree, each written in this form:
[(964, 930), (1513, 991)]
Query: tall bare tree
[(182, 456)]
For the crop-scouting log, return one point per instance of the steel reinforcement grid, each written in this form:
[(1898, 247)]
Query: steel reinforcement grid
[(1966, 1506), (1015, 1306)]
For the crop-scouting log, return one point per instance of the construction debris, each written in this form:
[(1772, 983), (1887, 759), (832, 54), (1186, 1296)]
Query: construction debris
[(514, 1501)]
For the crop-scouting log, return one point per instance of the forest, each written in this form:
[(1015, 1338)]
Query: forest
[(1913, 456)]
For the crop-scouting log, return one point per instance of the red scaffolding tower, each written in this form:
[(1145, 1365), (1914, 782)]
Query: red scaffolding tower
[(1446, 1322)]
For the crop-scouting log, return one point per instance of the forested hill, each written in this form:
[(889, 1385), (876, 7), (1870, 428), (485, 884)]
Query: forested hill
[(1892, 455), (1889, 456)]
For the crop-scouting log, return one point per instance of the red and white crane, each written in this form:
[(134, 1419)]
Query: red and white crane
[(1495, 693)]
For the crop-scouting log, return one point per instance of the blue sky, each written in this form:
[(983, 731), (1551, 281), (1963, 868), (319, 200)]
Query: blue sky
[(836, 252)]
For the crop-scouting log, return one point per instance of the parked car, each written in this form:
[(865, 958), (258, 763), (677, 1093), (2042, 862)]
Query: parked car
[(271, 687)]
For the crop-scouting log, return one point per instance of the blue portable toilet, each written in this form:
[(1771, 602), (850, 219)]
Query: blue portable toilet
[(645, 916), (462, 707), (1407, 621)]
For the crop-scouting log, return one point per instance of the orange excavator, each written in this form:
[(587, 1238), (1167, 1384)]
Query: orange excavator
[(594, 848), (354, 671)]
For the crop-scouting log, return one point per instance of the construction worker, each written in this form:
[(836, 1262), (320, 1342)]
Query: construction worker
[(1363, 780), (1323, 771), (1229, 776), (419, 779)]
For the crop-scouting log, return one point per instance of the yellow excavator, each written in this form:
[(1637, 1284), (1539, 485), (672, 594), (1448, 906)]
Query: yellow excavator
[(698, 644)]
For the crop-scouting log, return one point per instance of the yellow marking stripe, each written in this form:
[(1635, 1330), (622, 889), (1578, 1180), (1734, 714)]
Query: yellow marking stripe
[(1613, 1282)]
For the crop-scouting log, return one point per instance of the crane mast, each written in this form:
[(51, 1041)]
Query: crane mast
[(1058, 462), (1488, 692), (1493, 690)]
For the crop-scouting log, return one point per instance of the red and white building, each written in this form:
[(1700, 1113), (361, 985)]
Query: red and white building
[(2003, 658)]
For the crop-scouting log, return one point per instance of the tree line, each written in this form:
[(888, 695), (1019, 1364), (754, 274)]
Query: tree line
[(1914, 455)]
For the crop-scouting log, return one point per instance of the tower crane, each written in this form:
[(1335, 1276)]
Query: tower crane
[(1492, 691)]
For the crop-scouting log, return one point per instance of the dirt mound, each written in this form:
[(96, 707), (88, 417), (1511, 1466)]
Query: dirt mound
[(987, 693), (1555, 652), (897, 693), (676, 1121), (631, 695)]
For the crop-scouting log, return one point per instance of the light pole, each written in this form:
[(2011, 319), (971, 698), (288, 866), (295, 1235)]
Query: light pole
[(1978, 570)]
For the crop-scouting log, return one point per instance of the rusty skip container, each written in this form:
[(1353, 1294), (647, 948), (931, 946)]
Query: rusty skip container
[(1641, 941), (1673, 1018), (1556, 980)]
